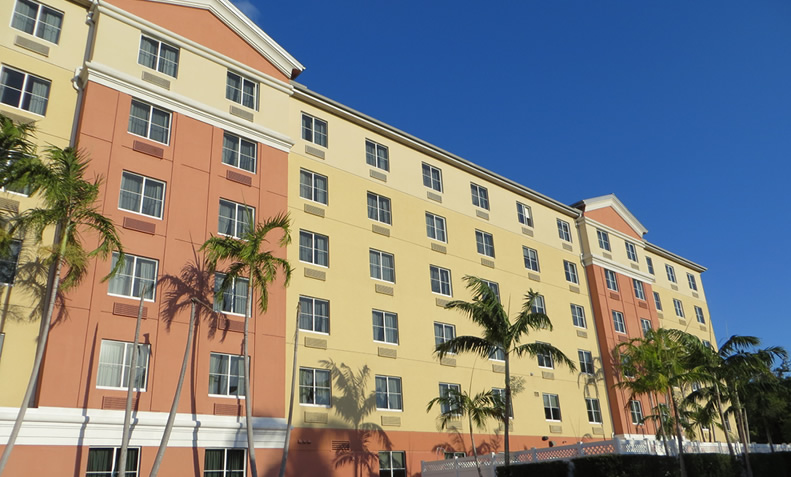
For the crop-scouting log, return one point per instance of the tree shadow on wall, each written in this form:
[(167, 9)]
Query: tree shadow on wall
[(353, 403), (589, 381)]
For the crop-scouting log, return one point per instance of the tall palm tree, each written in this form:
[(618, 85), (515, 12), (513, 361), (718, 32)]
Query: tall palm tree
[(250, 260), (15, 138), (499, 333), (67, 204)]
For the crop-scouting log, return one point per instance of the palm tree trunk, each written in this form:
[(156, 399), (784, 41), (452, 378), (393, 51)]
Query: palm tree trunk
[(678, 435), (654, 398), (740, 426), (42, 344), (130, 390), (291, 401), (474, 450), (724, 423), (163, 444), (506, 432), (248, 405)]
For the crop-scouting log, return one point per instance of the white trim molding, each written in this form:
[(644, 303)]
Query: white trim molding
[(610, 200), (589, 259)]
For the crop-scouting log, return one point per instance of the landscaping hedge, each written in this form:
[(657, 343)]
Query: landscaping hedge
[(555, 468)]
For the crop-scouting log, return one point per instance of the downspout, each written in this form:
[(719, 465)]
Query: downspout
[(80, 74)]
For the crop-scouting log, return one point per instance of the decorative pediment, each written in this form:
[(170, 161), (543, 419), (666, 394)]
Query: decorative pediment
[(608, 210)]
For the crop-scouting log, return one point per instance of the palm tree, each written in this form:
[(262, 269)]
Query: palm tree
[(67, 205), (499, 333), (477, 409), (15, 138), (249, 261)]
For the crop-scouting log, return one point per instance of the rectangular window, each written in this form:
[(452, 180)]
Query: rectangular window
[(564, 231), (115, 364), (499, 393), (586, 361), (238, 152), (618, 323), (314, 248), (234, 298), (645, 325), (454, 455), (314, 386), (493, 286), (545, 360), (657, 302), (388, 393), (141, 195), (379, 208), (37, 19), (443, 332), (432, 177), (531, 258), (314, 130), (636, 410), (497, 354), (158, 56), (480, 196), (313, 186), (639, 291), (551, 407), (435, 227), (631, 251), (103, 462), (707, 344), (376, 155), (650, 264), (671, 273), (571, 272), (224, 463), (382, 265), (485, 243), (678, 307), (8, 263), (611, 279), (241, 90), (392, 464), (594, 410), (699, 315), (604, 239), (445, 391), (314, 314), (226, 375), (578, 316), (440, 280), (693, 284), (524, 214), (135, 275), (149, 122), (538, 305), (24, 91), (385, 326), (234, 219)]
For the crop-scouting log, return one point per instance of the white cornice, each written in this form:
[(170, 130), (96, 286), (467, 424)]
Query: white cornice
[(610, 200), (589, 259), (628, 238), (104, 75), (675, 258)]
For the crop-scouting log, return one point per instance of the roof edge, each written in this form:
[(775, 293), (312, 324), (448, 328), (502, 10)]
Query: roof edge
[(676, 258)]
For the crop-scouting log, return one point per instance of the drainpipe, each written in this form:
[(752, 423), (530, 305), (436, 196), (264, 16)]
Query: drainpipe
[(80, 74)]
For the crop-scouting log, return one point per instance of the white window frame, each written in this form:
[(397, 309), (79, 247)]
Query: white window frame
[(380, 213), (678, 307), (116, 456), (649, 262), (243, 80), (444, 391), (11, 261), (225, 471), (570, 270), (309, 132), (142, 195), (24, 94), (135, 278), (484, 242), (480, 196), (227, 375), (539, 305), (524, 214), (384, 327), (315, 252), (324, 321), (671, 273), (387, 392), (500, 392), (313, 186), (440, 281), (494, 286), (433, 183), (657, 301), (611, 278), (699, 315), (578, 319), (438, 340), (636, 412), (564, 231), (38, 22), (693, 283), (432, 227), (148, 122), (593, 408), (618, 322), (639, 289), (236, 156), (378, 270), (604, 240), (373, 159), (497, 354), (238, 225), (549, 406), (219, 278), (646, 325), (631, 252), (392, 471), (314, 387), (159, 60), (545, 361), (126, 364), (586, 361), (531, 259)]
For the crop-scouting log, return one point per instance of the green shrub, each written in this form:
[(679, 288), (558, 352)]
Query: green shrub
[(626, 466), (555, 468), (711, 465), (776, 464)]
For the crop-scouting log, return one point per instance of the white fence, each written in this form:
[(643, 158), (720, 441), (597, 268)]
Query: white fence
[(465, 467)]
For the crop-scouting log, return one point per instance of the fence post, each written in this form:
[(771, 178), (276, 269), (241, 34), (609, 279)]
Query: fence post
[(617, 442), (580, 449), (534, 455)]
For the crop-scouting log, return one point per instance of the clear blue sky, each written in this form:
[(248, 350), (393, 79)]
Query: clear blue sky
[(680, 108)]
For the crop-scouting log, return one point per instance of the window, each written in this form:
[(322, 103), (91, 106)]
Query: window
[(493, 286), (314, 314), (524, 214), (636, 410), (376, 155), (594, 410), (24, 91), (158, 56), (480, 196), (551, 407), (435, 227), (234, 298), (604, 239), (650, 264), (385, 327), (693, 284), (141, 195), (224, 463), (645, 325), (500, 394), (388, 393), (379, 208), (440, 280), (103, 462), (314, 248), (657, 301), (241, 90), (235, 219), (586, 361), (699, 315), (538, 305), (671, 273), (313, 186), (564, 231), (678, 307), (631, 251), (443, 332), (149, 122), (485, 243), (392, 464), (115, 362), (454, 455), (314, 386), (445, 391), (617, 319), (382, 265), (531, 258), (314, 130), (226, 375), (639, 292), (571, 272), (238, 152), (545, 360), (578, 316), (497, 354), (9, 261), (135, 275), (707, 344), (432, 177), (37, 19), (611, 279)]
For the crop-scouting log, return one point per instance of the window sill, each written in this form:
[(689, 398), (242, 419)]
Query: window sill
[(111, 388), (140, 214), (136, 298), (223, 396)]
